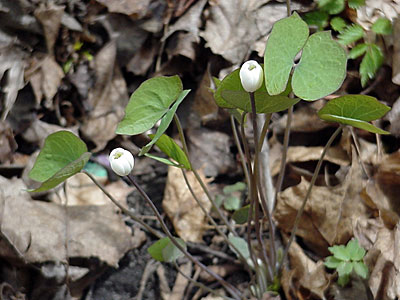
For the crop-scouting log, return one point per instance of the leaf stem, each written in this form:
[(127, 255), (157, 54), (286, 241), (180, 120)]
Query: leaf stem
[(312, 182), (198, 177), (230, 288), (122, 208)]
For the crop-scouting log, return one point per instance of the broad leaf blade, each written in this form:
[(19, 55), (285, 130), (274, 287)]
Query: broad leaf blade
[(156, 249), (332, 7), (60, 149), (359, 107), (332, 262), (340, 252), (355, 250), (171, 252), (172, 150), (322, 67), (241, 215), (149, 103), (165, 122), (355, 4), (63, 174), (338, 24), (361, 269), (317, 18), (241, 246), (287, 38), (355, 123)]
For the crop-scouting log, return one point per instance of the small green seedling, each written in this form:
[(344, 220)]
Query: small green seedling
[(345, 259), (230, 197)]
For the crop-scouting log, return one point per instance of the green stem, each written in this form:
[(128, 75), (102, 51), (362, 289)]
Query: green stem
[(211, 219), (230, 288), (258, 190), (284, 153), (240, 150), (123, 209), (312, 182), (198, 178)]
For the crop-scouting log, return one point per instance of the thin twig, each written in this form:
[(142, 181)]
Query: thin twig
[(312, 182), (357, 144), (123, 209), (199, 179), (230, 288)]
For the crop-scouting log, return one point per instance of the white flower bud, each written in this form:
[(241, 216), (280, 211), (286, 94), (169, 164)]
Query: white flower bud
[(121, 161), (251, 75)]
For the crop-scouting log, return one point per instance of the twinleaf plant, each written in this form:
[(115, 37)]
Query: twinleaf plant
[(346, 259), (297, 66)]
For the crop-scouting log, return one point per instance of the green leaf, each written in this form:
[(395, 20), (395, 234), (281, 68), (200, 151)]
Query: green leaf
[(172, 150), (63, 155), (165, 122), (322, 67), (344, 268), (371, 62), (165, 251), (343, 280), (237, 187), (317, 18), (361, 269), (149, 103), (355, 4), (355, 123), (355, 250), (231, 94), (332, 7), (60, 149), (360, 107), (241, 215), (162, 160), (232, 203), (332, 262), (338, 24), (382, 26), (340, 252), (287, 38), (64, 173), (171, 252), (240, 244), (356, 111), (358, 50), (351, 34)]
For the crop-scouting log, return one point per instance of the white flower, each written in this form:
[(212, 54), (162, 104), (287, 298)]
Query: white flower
[(121, 161), (251, 76)]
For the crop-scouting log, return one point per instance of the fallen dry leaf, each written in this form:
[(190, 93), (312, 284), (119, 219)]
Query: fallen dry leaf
[(233, 26), (126, 7), (50, 18), (107, 98), (328, 215), (38, 229), (82, 191), (305, 276), (180, 206), (210, 151)]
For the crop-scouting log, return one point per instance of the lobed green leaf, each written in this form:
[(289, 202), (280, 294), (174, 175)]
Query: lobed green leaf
[(240, 244), (355, 4), (287, 38), (338, 24), (165, 251), (340, 252), (322, 67), (361, 269), (317, 18), (355, 250), (382, 26), (332, 262), (358, 50), (371, 62), (351, 34), (332, 7)]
